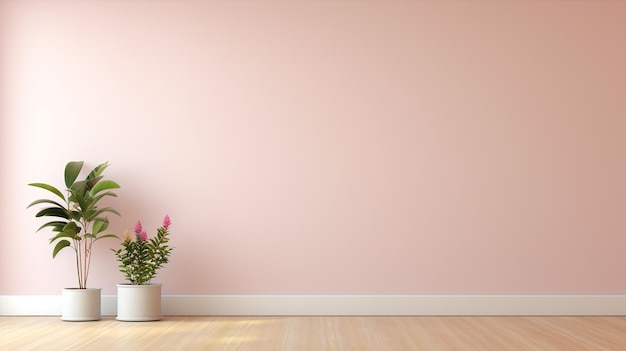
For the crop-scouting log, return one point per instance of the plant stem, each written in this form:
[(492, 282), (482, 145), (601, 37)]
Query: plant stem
[(88, 260), (76, 250), (79, 263)]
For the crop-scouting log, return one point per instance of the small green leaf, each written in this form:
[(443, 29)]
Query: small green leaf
[(60, 246), (98, 170), (72, 169)]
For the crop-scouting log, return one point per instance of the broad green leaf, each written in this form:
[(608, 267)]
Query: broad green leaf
[(59, 246), (90, 215), (107, 236), (76, 216), (98, 197), (92, 182), (100, 225), (57, 226), (105, 210), (89, 203), (72, 169), (43, 201), (64, 235), (103, 185), (48, 187), (72, 228), (52, 212), (79, 188)]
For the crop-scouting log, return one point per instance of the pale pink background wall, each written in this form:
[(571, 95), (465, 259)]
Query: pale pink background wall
[(327, 147)]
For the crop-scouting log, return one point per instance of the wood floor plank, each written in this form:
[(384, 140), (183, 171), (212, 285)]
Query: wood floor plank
[(226, 333), (592, 333), (311, 334), (318, 333), (266, 334), (355, 333)]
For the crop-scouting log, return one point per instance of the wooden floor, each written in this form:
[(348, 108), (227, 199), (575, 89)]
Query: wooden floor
[(317, 333)]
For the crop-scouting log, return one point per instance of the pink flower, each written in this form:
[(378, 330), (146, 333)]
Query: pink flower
[(144, 236), (166, 221), (138, 228)]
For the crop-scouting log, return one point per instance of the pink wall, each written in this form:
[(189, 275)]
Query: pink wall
[(328, 147)]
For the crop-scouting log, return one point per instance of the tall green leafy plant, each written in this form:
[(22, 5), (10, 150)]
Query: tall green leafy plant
[(76, 220)]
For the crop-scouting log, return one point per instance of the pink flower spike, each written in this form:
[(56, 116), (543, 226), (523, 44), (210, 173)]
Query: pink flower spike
[(166, 221), (138, 228), (144, 236)]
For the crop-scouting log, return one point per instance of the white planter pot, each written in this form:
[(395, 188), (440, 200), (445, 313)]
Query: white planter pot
[(81, 305), (138, 303)]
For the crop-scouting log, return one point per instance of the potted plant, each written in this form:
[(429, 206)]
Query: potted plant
[(77, 222), (140, 258)]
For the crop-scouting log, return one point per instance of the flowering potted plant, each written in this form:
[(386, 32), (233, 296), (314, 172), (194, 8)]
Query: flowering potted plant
[(140, 258)]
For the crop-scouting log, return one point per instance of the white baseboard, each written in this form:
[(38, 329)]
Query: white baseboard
[(338, 305)]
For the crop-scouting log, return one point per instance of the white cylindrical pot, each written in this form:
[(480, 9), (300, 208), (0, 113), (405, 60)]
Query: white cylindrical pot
[(81, 305), (138, 303)]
